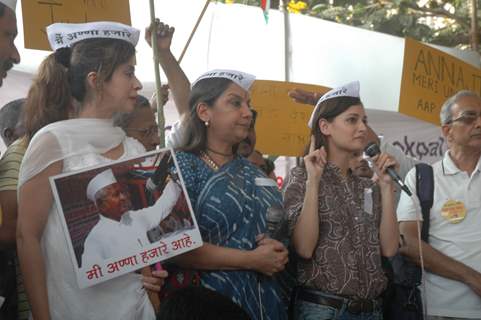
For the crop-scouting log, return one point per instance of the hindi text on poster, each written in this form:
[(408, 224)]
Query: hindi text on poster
[(429, 77), (38, 14), (281, 125)]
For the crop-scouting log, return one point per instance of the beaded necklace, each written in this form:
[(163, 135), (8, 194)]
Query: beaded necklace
[(208, 160)]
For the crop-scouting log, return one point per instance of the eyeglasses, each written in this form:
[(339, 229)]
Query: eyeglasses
[(467, 117), (149, 132)]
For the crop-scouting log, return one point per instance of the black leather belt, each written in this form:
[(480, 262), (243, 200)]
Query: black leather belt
[(356, 306)]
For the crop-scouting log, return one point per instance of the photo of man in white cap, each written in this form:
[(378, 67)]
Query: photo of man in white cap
[(121, 230)]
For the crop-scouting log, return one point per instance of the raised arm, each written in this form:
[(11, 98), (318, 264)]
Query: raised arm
[(178, 81), (35, 202), (152, 216), (388, 229), (306, 230), (304, 97)]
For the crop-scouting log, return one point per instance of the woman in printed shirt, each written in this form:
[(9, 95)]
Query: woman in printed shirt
[(340, 224)]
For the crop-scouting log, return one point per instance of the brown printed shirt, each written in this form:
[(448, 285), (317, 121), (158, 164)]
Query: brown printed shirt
[(347, 258)]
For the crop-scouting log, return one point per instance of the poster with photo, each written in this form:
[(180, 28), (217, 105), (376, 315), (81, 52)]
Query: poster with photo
[(125, 215)]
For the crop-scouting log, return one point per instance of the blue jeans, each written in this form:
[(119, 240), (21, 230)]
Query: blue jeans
[(312, 311)]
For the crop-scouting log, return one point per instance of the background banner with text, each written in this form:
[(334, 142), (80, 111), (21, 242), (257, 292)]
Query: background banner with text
[(429, 77), (281, 125), (37, 15)]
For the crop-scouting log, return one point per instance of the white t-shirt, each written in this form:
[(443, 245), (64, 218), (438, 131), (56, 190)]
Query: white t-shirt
[(460, 241), (110, 238), (122, 298)]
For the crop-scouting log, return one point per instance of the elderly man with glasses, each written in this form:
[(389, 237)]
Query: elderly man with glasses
[(452, 258), (140, 124)]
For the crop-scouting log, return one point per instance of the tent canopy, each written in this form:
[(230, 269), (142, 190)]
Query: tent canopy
[(237, 37)]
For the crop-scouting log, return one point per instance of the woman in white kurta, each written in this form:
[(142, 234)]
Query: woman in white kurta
[(98, 73)]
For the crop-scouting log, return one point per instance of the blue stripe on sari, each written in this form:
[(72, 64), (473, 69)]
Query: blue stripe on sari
[(231, 211)]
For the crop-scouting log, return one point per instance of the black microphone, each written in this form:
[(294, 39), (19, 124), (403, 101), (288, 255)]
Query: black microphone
[(372, 149), (157, 180), (276, 223)]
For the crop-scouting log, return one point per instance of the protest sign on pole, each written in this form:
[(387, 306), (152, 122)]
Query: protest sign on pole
[(429, 77), (37, 15), (281, 125)]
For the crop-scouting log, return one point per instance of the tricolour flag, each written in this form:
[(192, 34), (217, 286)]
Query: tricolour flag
[(265, 5)]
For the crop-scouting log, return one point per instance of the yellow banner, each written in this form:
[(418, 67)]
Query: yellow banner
[(429, 77), (281, 125), (37, 15)]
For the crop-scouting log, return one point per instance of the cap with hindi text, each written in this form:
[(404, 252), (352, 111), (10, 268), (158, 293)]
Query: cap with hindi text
[(61, 35), (242, 79), (348, 90)]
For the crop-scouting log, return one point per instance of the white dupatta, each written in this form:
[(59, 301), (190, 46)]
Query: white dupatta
[(64, 139)]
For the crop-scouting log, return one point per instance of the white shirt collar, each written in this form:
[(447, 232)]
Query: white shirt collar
[(125, 220), (450, 168)]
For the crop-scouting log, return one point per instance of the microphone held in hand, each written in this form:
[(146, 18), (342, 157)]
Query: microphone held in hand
[(276, 223), (372, 150)]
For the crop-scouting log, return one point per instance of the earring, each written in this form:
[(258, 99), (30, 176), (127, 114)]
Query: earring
[(206, 123)]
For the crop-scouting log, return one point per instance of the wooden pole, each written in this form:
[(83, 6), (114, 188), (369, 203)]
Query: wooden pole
[(474, 25), (194, 30), (160, 108), (287, 42), (146, 271)]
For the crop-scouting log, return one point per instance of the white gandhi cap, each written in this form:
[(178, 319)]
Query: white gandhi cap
[(350, 89), (242, 79), (61, 35), (100, 181)]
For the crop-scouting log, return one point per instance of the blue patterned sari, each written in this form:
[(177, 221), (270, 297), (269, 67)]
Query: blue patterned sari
[(231, 211)]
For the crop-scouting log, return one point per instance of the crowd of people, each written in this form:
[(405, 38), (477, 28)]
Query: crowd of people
[(317, 249)]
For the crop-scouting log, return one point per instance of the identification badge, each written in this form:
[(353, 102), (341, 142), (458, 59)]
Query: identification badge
[(265, 182), (368, 205), (453, 211)]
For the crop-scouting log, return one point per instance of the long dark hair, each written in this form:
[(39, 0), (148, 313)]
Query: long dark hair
[(61, 79), (329, 110), (205, 91)]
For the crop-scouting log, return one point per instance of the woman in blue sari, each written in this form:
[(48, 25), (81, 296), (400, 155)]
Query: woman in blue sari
[(230, 197)]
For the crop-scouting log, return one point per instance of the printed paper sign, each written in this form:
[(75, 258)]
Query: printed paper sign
[(429, 77), (281, 125), (126, 215), (37, 15)]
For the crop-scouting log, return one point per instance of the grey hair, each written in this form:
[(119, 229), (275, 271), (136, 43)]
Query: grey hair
[(446, 114), (10, 115), (123, 119), (99, 196)]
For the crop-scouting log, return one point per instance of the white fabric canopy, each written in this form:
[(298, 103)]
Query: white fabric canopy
[(237, 37)]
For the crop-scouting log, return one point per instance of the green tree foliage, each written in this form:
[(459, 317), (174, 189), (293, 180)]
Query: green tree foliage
[(444, 22)]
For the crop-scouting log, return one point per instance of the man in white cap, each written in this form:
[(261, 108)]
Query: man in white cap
[(8, 32), (121, 231)]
